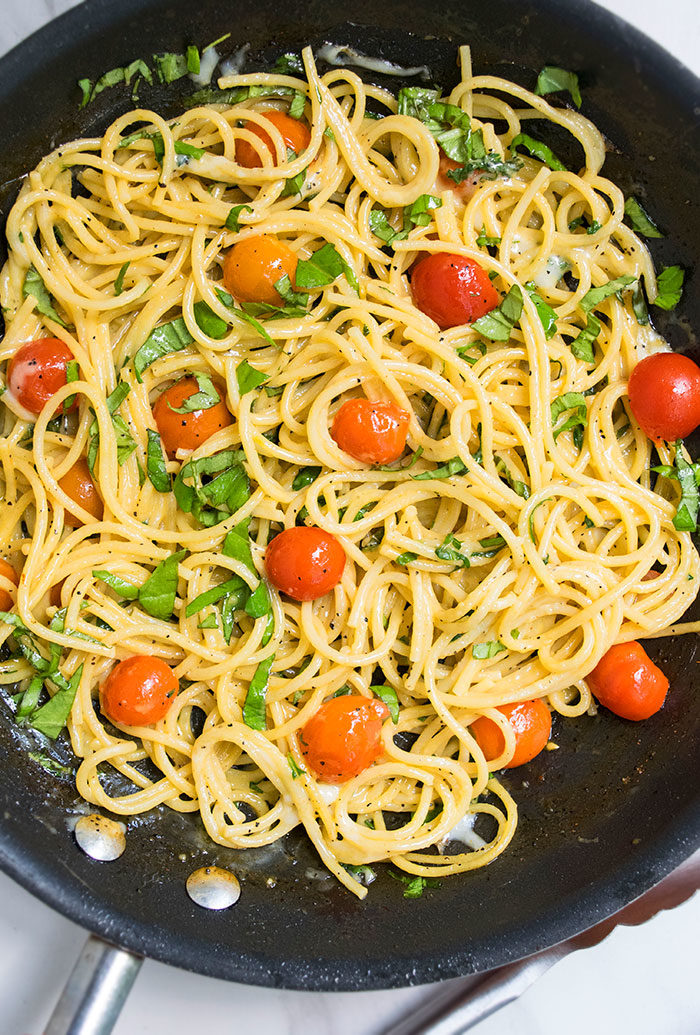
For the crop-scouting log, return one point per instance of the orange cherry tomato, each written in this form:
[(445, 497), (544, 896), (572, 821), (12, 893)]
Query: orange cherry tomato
[(138, 691), (464, 190), (373, 432), (452, 289), (627, 681), (532, 724), (305, 563), (664, 394), (8, 572), (37, 371), (254, 265), (78, 485), (187, 430), (295, 135), (344, 737)]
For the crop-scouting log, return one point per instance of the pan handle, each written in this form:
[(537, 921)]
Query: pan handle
[(95, 991)]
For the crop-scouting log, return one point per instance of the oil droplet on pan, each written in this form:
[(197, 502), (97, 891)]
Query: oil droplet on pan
[(100, 838), (213, 888)]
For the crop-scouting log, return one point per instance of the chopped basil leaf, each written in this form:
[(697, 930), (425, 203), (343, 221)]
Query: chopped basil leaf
[(670, 286), (548, 318), (454, 466), (382, 228), (210, 622), (226, 490), (296, 108), (404, 466), (419, 213), (295, 184), (575, 401), (462, 351), (297, 770), (518, 487), (51, 717), (119, 282), (33, 285), (364, 874), (594, 227), (157, 594), (51, 765), (258, 603), (71, 375), (215, 43), (487, 650), (237, 545), (639, 220), (169, 337), (582, 345), (232, 219), (245, 316), (288, 64), (113, 78), (552, 79), (449, 550), (483, 241), (498, 324), (594, 296), (207, 396), (248, 377), (155, 463), (192, 59), (234, 587), (415, 886), (254, 707), (305, 477), (407, 557), (387, 694), (687, 513), (639, 305), (538, 150), (324, 266), (209, 321), (492, 544), (124, 441), (170, 67), (125, 589), (490, 165)]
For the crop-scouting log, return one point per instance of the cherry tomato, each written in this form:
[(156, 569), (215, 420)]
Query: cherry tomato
[(343, 738), (78, 485), (532, 725), (627, 681), (452, 289), (664, 393), (464, 190), (373, 432), (8, 572), (254, 265), (305, 563), (138, 691), (187, 430), (295, 135), (37, 371)]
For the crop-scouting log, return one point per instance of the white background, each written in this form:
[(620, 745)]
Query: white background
[(640, 980)]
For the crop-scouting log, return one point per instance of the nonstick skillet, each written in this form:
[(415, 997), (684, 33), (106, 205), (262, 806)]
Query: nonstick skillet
[(603, 818)]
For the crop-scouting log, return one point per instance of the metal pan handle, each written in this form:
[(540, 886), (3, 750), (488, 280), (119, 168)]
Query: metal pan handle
[(96, 990)]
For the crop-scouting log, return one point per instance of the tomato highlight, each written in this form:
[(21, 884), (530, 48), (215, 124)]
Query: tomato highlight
[(305, 563), (452, 289), (532, 725), (187, 430), (138, 691), (8, 572), (254, 265), (37, 371), (344, 737), (295, 136), (78, 485), (373, 432), (628, 683), (664, 394)]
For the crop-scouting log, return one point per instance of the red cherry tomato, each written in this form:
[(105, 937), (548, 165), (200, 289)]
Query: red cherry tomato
[(627, 681), (37, 371), (452, 289), (187, 430), (78, 485), (664, 394), (295, 134), (464, 190), (305, 563), (138, 691), (343, 738), (373, 432), (254, 265), (532, 725), (8, 572)]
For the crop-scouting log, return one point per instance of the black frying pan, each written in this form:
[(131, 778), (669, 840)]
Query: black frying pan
[(602, 819)]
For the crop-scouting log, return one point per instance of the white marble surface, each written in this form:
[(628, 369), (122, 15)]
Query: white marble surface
[(640, 980)]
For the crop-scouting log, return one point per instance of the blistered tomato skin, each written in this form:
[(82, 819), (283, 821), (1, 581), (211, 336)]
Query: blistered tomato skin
[(187, 430), (138, 691), (8, 572), (78, 485), (37, 371), (344, 737), (372, 432), (628, 683), (532, 725), (254, 265), (452, 289), (664, 394), (305, 563), (295, 136)]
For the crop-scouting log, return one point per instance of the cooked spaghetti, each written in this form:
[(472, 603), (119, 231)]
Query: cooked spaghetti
[(495, 562)]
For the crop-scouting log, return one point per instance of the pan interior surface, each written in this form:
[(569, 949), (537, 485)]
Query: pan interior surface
[(601, 819)]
